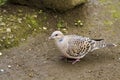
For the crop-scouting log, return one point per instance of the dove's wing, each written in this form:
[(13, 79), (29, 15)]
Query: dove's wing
[(79, 46)]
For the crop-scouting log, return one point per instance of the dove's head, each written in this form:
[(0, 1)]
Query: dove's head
[(56, 35)]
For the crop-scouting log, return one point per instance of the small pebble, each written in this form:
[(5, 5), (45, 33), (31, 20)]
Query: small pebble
[(1, 40), (2, 70), (89, 71), (20, 10), (119, 58), (22, 39), (79, 21), (9, 42), (8, 29), (81, 24), (3, 37), (19, 20), (9, 66), (35, 30), (2, 24), (40, 28), (44, 62), (64, 29), (4, 11), (76, 24), (29, 25), (35, 16), (30, 49), (0, 54), (44, 28), (30, 75)]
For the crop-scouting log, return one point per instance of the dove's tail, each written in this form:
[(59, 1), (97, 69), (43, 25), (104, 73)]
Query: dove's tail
[(100, 43), (111, 45)]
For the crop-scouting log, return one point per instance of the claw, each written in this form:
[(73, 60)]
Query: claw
[(77, 60)]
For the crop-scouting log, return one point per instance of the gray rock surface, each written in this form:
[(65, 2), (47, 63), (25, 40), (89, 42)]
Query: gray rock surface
[(60, 5)]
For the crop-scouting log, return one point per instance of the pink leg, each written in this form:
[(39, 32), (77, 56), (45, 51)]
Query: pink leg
[(77, 60)]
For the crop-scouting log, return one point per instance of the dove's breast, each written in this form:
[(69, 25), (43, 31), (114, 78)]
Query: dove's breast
[(63, 46)]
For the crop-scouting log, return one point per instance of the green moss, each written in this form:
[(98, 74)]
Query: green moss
[(103, 1), (112, 7), (116, 14), (2, 2), (15, 28), (31, 20), (107, 22), (115, 11), (60, 24)]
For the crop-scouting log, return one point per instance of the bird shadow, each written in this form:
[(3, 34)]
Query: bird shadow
[(94, 58)]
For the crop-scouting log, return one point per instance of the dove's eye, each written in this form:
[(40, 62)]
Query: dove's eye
[(56, 34)]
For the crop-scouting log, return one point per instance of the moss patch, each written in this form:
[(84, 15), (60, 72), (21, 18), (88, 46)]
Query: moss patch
[(2, 2), (16, 26)]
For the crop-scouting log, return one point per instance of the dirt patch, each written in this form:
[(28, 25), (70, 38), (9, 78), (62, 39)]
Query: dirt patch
[(38, 58)]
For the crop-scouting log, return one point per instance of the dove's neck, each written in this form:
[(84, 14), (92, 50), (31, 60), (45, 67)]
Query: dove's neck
[(60, 40), (62, 44)]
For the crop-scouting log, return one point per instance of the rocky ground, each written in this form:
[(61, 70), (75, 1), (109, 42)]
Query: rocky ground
[(34, 57)]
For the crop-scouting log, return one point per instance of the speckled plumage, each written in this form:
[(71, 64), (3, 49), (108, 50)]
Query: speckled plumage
[(76, 47)]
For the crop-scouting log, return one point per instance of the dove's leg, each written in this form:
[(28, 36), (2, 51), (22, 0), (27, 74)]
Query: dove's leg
[(77, 60)]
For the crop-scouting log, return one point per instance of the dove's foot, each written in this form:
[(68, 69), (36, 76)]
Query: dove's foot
[(77, 60), (73, 61)]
